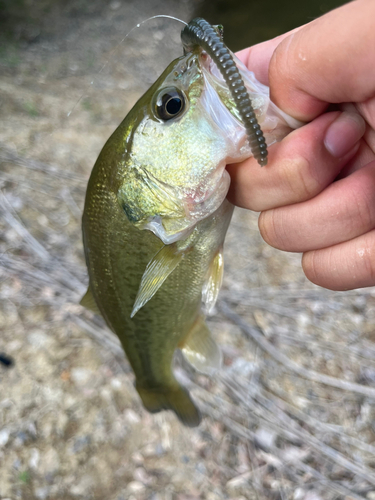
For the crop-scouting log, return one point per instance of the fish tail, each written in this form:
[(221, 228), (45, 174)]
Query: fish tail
[(176, 398)]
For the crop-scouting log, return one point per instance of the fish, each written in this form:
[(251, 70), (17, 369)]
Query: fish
[(155, 220)]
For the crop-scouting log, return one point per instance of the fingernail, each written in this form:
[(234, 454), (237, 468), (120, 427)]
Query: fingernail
[(342, 135)]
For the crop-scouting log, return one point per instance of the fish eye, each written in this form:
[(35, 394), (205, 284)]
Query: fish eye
[(170, 103)]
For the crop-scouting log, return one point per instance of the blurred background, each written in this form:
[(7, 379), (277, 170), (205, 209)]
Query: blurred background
[(290, 416)]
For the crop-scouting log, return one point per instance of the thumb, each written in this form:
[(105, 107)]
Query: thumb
[(330, 60)]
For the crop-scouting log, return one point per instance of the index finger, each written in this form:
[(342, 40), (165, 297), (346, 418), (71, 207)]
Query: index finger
[(330, 60), (257, 58)]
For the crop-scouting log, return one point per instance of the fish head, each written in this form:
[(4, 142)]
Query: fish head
[(173, 170), (180, 136)]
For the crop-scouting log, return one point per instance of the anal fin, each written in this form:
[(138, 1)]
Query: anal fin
[(200, 349), (213, 282), (88, 301), (157, 271)]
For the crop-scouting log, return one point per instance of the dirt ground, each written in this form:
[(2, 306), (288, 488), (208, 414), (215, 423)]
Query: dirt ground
[(291, 414)]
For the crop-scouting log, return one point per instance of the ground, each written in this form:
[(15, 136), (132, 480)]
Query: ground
[(290, 415)]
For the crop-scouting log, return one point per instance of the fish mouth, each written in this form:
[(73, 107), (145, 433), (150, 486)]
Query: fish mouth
[(198, 205)]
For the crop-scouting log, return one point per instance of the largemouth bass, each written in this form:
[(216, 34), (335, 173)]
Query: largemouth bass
[(156, 216)]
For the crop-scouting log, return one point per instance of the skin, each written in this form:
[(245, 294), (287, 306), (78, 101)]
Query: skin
[(316, 196)]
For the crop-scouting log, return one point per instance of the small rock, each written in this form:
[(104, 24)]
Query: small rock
[(106, 394), (61, 423), (265, 438), (298, 494), (80, 443), (131, 417), (115, 5), (312, 495), (158, 35), (141, 475), (39, 339), (135, 487), (149, 451), (17, 464), (200, 467), (34, 458), (370, 495), (242, 367), (293, 453), (137, 458), (82, 487), (237, 486), (156, 496), (116, 383), (14, 345), (20, 439), (4, 437), (42, 493), (303, 320), (50, 462), (178, 480), (367, 375), (213, 496), (81, 376)]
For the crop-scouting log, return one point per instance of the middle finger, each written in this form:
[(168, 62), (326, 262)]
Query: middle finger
[(343, 211), (300, 166)]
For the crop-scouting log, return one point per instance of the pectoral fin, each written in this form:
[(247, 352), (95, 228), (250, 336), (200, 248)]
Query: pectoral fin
[(213, 282), (88, 301), (157, 271), (200, 349)]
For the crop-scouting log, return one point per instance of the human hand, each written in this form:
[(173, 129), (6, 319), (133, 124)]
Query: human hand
[(317, 194)]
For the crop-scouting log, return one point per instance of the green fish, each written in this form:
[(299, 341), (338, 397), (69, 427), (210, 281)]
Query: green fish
[(155, 220)]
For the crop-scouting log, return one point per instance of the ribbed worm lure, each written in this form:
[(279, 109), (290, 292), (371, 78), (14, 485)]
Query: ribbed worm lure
[(200, 33)]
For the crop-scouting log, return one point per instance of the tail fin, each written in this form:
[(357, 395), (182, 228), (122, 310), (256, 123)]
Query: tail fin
[(176, 399)]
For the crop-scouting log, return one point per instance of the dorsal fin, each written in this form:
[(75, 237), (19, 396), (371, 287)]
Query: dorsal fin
[(214, 281), (88, 301), (157, 271), (200, 349)]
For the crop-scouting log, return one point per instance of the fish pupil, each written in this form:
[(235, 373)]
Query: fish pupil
[(174, 105)]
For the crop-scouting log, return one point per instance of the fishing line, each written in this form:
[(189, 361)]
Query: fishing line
[(116, 48)]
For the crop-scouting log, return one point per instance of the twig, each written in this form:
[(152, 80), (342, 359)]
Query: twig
[(255, 335), (242, 432), (319, 425), (9, 156), (68, 279), (287, 426)]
